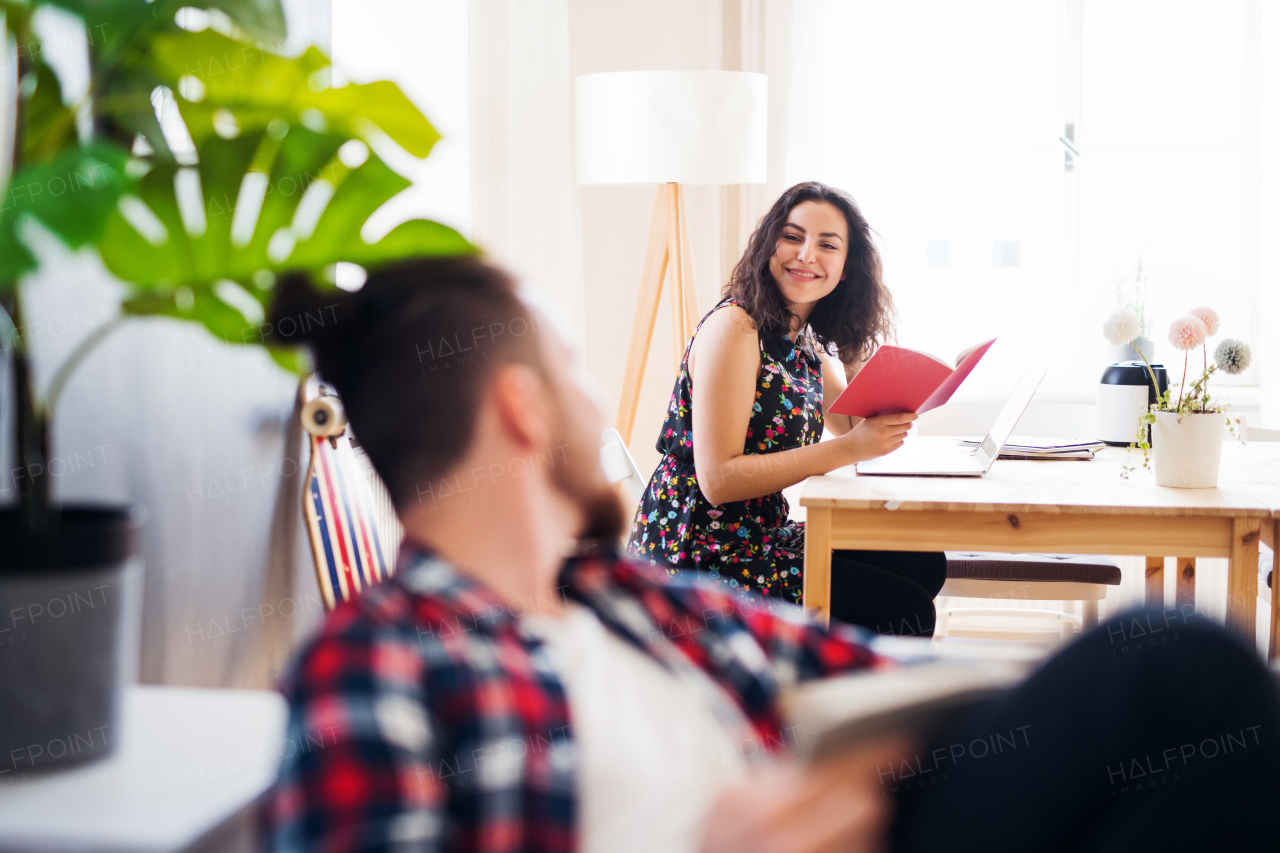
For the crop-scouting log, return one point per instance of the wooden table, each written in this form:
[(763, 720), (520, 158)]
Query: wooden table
[(1055, 507), (1256, 467)]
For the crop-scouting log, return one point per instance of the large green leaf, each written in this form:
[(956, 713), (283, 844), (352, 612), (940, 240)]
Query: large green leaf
[(258, 87), (72, 194), (51, 125), (15, 258), (256, 118), (186, 275), (125, 100), (112, 26), (261, 20)]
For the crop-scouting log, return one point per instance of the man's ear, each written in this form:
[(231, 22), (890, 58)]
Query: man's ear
[(522, 402)]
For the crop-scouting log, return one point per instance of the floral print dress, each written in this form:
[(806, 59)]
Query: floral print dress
[(750, 545)]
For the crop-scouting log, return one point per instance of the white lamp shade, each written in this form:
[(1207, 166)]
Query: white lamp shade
[(688, 127)]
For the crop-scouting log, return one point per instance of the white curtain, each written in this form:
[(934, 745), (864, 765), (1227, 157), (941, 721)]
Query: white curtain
[(1268, 206), (524, 200), (770, 37)]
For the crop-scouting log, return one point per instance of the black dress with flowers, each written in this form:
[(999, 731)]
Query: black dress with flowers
[(747, 545)]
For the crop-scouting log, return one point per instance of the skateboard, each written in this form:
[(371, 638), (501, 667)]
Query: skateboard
[(339, 504)]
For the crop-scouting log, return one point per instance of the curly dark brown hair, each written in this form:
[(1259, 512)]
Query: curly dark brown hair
[(855, 318)]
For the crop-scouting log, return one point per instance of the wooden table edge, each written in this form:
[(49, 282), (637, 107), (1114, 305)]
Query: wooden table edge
[(810, 502)]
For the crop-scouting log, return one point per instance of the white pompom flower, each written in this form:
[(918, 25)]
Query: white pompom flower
[(1122, 327)]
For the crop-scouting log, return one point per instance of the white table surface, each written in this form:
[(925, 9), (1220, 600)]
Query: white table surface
[(189, 761)]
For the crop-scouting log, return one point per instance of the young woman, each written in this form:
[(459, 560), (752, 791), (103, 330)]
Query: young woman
[(804, 309)]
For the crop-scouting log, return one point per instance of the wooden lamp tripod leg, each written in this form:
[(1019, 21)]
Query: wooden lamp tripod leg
[(655, 269), (684, 307), (668, 239)]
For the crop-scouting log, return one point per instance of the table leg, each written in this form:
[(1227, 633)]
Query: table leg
[(1186, 583), (1155, 582), (1242, 578), (1275, 587), (817, 562)]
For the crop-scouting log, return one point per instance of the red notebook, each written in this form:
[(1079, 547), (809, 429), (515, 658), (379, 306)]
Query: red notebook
[(897, 379)]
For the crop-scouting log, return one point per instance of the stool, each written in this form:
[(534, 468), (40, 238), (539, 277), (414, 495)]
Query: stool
[(1027, 577)]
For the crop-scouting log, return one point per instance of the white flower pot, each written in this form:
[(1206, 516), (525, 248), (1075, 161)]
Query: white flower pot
[(1188, 449)]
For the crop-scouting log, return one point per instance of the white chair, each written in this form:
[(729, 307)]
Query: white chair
[(618, 465)]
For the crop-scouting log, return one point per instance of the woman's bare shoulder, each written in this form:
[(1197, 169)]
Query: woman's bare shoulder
[(727, 338), (729, 326)]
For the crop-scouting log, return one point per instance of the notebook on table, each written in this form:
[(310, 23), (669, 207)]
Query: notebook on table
[(1028, 448)]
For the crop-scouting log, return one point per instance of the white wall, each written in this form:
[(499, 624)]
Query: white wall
[(657, 35)]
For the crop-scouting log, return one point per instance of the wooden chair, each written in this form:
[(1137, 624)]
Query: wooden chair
[(350, 521), (1025, 577)]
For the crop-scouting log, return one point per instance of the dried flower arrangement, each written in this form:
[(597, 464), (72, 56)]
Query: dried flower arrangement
[(1185, 333)]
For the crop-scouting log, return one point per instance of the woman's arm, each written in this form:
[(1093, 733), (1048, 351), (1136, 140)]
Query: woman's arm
[(833, 385), (726, 353)]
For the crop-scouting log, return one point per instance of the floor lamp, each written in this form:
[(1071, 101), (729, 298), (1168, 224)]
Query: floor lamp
[(671, 128)]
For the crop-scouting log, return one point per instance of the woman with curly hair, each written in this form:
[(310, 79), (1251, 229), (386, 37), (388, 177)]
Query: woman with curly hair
[(804, 309)]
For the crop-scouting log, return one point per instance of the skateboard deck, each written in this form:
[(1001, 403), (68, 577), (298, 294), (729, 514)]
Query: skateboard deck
[(341, 514)]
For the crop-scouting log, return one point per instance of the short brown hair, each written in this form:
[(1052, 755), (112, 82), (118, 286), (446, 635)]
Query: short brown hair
[(410, 354)]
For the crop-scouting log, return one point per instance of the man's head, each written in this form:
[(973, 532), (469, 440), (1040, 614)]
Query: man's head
[(454, 384)]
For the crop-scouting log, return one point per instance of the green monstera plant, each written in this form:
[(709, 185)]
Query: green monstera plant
[(201, 162)]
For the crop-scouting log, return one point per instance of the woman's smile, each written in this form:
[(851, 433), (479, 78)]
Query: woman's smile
[(808, 258)]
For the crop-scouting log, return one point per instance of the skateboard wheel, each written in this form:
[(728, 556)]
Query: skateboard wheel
[(324, 416)]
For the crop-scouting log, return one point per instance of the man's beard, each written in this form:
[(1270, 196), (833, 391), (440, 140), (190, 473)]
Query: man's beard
[(580, 478)]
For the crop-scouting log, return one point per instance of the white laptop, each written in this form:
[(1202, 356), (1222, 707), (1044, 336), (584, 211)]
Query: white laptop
[(960, 461)]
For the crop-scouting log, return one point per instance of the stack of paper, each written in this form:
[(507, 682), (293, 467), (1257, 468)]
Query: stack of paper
[(1029, 447)]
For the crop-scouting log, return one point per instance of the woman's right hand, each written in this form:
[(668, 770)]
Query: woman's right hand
[(876, 436)]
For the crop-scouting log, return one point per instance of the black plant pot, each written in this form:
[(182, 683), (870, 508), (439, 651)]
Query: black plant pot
[(63, 596)]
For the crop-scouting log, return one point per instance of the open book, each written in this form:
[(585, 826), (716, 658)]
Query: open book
[(897, 379), (834, 714)]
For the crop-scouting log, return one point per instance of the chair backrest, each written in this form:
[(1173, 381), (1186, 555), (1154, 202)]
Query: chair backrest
[(340, 503), (618, 465)]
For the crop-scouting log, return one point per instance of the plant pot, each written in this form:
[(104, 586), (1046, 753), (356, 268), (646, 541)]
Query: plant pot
[(65, 626), (1188, 449)]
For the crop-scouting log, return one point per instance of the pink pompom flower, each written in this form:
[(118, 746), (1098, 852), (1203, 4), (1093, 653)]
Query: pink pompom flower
[(1187, 332), (1207, 316)]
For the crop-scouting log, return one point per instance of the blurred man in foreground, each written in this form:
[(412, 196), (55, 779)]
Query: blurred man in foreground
[(495, 696)]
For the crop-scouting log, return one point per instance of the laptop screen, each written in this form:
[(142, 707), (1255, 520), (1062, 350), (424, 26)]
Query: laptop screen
[(1010, 414)]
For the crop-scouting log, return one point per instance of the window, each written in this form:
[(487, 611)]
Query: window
[(1022, 159)]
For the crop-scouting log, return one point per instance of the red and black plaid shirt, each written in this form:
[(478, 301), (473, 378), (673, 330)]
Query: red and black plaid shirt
[(423, 718)]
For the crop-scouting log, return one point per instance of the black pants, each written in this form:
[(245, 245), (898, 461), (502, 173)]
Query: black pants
[(1157, 731), (890, 592)]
